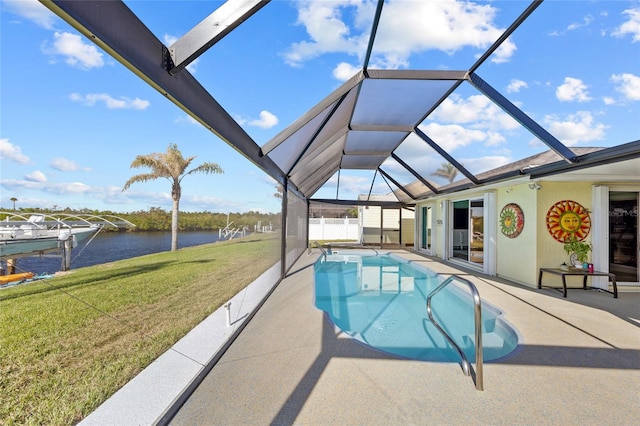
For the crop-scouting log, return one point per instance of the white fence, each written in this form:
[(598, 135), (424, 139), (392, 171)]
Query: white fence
[(334, 229)]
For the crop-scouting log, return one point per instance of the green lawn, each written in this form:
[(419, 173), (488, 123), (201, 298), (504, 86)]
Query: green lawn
[(69, 342)]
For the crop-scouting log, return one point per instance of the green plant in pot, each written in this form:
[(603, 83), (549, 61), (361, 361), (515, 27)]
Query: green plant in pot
[(578, 251)]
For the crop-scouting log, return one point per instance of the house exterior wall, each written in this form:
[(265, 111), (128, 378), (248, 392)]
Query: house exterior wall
[(550, 253), (370, 220), (517, 259)]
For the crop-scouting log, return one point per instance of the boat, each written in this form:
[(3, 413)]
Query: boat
[(39, 234), (13, 278), (21, 278)]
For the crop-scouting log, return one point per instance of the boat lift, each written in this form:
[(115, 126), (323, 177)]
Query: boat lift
[(228, 233), (50, 233)]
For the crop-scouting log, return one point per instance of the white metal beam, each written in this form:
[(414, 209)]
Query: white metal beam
[(211, 30)]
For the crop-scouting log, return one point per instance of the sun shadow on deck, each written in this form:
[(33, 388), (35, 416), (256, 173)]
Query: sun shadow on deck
[(528, 355), (575, 357), (291, 364), (332, 347)]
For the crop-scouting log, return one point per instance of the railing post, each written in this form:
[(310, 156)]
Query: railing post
[(477, 303), (227, 307)]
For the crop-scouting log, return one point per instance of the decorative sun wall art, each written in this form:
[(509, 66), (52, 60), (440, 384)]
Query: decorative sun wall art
[(511, 220), (568, 219)]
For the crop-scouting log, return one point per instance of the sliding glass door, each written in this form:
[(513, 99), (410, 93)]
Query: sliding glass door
[(467, 232), (623, 236)]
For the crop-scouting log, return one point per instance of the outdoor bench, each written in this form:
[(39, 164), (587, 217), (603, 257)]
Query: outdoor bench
[(579, 272)]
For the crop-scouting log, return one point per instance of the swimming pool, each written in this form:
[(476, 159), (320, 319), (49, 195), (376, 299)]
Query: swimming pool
[(380, 300)]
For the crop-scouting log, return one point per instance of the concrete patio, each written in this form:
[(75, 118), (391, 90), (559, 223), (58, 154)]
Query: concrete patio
[(578, 362)]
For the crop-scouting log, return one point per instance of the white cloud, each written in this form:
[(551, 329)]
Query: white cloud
[(266, 121), (460, 122), (576, 129), (344, 71), (36, 176), (48, 187), (586, 21), (107, 194), (477, 111), (516, 85), (414, 148), (608, 100), (143, 197), (453, 26), (65, 165), (169, 39), (77, 53), (199, 202), (632, 26), (69, 188), (32, 10), (573, 89), (350, 184), (11, 152), (504, 53), (628, 85), (453, 136), (402, 32), (483, 164), (327, 31), (110, 102)]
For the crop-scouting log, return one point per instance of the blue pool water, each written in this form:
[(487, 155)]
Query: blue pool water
[(380, 300)]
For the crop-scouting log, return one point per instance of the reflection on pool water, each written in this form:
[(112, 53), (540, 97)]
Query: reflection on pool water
[(380, 300)]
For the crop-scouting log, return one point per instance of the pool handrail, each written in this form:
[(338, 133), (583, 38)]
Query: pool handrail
[(324, 252), (466, 366)]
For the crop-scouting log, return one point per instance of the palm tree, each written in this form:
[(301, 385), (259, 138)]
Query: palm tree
[(14, 199), (446, 171), (171, 166)]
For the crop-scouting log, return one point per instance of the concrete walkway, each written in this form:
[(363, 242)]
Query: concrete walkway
[(578, 362)]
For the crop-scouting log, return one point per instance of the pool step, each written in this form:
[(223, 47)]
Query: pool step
[(489, 325), (492, 344)]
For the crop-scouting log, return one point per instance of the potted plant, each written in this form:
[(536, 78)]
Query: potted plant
[(578, 251)]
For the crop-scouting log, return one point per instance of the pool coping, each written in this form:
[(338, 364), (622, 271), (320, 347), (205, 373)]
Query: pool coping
[(149, 395)]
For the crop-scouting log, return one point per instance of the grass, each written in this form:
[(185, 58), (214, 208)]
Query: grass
[(70, 342)]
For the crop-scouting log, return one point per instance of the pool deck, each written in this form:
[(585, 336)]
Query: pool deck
[(578, 362)]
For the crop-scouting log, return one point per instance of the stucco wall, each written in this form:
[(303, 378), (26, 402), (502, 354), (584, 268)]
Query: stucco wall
[(551, 252), (519, 259), (516, 257)]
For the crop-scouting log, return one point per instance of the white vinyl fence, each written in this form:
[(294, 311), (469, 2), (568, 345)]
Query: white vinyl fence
[(334, 229)]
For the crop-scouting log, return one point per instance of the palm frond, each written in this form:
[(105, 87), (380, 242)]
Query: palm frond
[(207, 168), (447, 171), (144, 177)]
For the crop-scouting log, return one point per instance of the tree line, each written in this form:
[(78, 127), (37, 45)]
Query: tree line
[(158, 219)]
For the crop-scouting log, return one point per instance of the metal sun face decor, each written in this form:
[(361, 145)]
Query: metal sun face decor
[(567, 219), (511, 220)]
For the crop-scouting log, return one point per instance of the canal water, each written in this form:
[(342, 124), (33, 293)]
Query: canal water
[(112, 246)]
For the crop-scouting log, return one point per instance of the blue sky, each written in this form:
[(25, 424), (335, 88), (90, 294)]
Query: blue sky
[(73, 119)]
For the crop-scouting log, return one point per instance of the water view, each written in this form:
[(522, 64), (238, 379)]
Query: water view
[(112, 246)]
